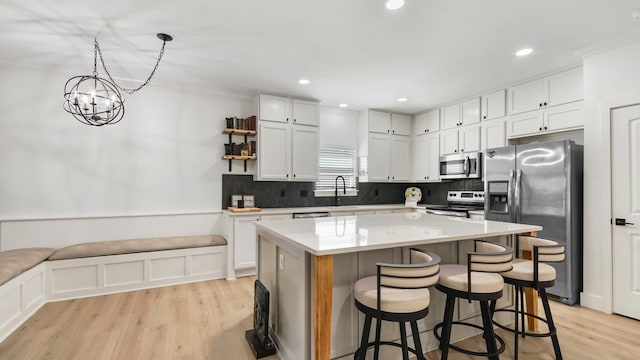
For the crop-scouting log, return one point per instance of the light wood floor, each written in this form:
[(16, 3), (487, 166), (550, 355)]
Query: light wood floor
[(207, 320)]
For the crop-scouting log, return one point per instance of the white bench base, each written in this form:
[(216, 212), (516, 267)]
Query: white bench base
[(20, 298), (59, 280)]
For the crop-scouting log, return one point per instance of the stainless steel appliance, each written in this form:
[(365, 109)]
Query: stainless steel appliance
[(541, 184), (461, 166), (310, 215), (459, 203)]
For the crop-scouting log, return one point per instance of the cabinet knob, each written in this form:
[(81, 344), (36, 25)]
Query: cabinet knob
[(387, 131), (456, 150), (484, 117), (545, 128), (295, 120), (393, 178), (545, 103), (287, 119), (387, 178), (426, 130), (393, 131), (461, 150), (287, 175), (540, 129), (294, 175), (426, 177)]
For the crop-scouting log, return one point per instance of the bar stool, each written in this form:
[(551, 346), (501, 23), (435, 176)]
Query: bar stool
[(478, 280), (398, 293), (537, 275)]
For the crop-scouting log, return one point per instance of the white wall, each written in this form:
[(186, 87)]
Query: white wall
[(163, 157), (339, 127), (611, 78)]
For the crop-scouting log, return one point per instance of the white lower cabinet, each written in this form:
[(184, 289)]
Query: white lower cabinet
[(243, 237), (552, 119)]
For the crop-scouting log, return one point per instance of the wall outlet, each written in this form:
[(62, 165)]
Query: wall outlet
[(303, 193), (281, 262)]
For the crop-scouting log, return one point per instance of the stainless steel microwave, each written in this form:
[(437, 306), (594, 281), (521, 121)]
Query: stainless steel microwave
[(461, 166)]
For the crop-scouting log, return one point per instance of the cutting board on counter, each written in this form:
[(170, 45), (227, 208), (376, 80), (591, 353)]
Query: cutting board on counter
[(241, 210)]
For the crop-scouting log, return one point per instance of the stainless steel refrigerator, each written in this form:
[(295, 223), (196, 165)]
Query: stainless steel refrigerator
[(541, 184)]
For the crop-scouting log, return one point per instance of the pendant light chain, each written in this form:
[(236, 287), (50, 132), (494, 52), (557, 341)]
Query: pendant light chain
[(128, 91)]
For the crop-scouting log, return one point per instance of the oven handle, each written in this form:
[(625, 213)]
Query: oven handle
[(447, 213), (466, 167)]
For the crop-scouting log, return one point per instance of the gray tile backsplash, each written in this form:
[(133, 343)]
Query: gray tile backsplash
[(277, 194)]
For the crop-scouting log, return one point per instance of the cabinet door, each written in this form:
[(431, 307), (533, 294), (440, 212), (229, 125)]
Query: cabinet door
[(433, 157), (494, 105), (564, 117), (528, 96), (449, 142), (450, 116), (273, 153), (493, 134), (525, 124), (470, 111), (400, 157), (305, 153), (378, 158), (565, 87), (433, 120), (244, 247), (400, 124), (469, 139), (421, 157), (305, 112), (379, 122), (274, 108)]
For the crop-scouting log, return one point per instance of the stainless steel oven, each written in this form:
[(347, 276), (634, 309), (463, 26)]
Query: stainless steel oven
[(459, 203), (461, 166)]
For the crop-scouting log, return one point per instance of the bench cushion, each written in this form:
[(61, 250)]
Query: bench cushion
[(116, 247), (15, 262)]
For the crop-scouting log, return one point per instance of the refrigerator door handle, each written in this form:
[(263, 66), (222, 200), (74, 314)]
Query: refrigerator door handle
[(517, 195), (511, 196)]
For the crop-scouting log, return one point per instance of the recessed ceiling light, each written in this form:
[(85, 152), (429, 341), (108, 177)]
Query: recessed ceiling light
[(343, 105), (304, 82), (524, 52), (402, 99), (394, 4)]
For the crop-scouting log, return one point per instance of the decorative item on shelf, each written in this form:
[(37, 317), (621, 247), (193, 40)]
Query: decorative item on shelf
[(235, 199), (249, 200), (96, 101)]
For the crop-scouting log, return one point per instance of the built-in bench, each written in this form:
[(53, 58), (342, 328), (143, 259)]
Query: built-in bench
[(33, 276)]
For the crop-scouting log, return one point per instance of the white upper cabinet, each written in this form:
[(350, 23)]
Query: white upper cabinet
[(401, 153), (557, 118), (379, 158), (288, 139), (493, 134), (470, 111), (552, 90), (464, 139), (400, 124), (450, 116), (426, 158), (305, 153), (274, 108), (305, 112), (494, 105), (427, 122), (379, 122)]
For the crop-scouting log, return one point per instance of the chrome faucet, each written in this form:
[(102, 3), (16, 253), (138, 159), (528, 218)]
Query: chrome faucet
[(344, 189)]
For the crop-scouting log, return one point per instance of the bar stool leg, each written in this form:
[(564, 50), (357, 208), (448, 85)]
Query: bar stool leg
[(362, 351), (552, 327), (522, 312), (376, 350), (403, 339), (446, 327), (515, 326), (416, 340), (489, 334)]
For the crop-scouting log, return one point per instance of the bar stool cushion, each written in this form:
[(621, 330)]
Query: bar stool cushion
[(401, 301), (455, 277), (523, 270)]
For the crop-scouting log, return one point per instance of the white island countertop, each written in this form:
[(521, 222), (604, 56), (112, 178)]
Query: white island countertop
[(346, 234)]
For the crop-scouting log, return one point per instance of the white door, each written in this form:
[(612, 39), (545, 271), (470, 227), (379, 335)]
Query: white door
[(449, 142), (434, 157), (379, 157), (450, 116), (400, 157), (625, 152), (420, 158), (274, 108), (470, 111), (245, 242), (469, 139), (379, 122), (305, 112), (400, 124), (273, 155)]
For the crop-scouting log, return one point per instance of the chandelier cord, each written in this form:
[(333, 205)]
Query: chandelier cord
[(97, 52)]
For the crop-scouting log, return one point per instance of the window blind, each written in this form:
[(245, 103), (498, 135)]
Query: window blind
[(335, 162)]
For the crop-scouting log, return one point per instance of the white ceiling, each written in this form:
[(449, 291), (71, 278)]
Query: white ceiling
[(353, 51)]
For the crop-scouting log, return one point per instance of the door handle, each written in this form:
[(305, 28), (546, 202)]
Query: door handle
[(517, 195), (467, 166), (622, 222)]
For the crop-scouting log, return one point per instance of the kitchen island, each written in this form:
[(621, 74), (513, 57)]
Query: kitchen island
[(309, 267)]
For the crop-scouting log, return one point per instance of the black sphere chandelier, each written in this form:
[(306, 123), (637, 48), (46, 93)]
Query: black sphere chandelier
[(96, 101)]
